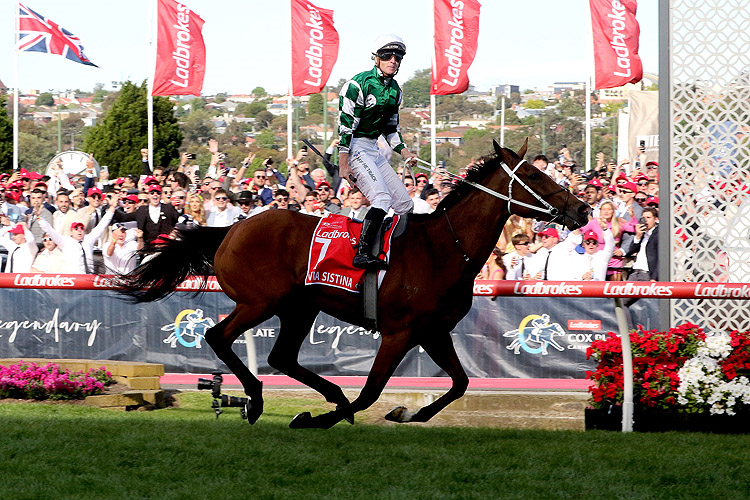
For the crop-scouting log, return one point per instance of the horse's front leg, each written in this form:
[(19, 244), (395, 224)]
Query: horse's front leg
[(392, 350), (439, 346), (221, 337)]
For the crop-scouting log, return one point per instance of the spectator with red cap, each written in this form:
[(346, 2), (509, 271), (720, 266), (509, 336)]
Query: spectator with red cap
[(422, 182), (652, 170), (153, 218), (21, 246), (592, 197), (550, 255), (326, 196), (627, 208), (588, 262), (10, 205)]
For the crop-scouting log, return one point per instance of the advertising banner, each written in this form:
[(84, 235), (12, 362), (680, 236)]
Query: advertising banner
[(503, 337), (456, 40), (315, 47), (616, 32), (180, 51)]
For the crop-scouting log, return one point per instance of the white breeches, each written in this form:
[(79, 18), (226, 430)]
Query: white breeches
[(376, 178)]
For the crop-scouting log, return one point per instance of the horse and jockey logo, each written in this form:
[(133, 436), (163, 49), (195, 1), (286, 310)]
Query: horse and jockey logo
[(535, 334), (189, 328)]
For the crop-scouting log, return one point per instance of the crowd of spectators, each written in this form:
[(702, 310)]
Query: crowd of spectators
[(92, 224), (617, 244)]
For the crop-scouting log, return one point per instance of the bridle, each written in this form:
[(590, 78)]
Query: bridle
[(548, 208)]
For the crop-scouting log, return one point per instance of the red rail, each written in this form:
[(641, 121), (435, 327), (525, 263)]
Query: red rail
[(590, 289)]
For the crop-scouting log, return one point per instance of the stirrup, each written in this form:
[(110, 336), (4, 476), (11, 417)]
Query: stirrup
[(363, 260)]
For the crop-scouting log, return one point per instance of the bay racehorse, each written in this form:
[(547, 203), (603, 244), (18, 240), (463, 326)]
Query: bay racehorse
[(261, 263)]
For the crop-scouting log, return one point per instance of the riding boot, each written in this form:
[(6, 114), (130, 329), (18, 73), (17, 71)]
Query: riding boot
[(370, 227)]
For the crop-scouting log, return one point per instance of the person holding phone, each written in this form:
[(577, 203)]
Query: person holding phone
[(645, 247), (368, 108)]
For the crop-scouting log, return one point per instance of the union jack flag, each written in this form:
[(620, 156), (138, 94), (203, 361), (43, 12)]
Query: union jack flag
[(39, 34)]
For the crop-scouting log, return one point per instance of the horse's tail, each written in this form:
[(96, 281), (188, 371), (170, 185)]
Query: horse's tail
[(170, 261)]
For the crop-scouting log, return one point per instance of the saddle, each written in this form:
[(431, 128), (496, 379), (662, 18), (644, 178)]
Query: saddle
[(370, 280)]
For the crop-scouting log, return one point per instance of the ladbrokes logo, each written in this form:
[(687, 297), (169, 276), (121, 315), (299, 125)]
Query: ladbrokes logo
[(39, 280), (189, 329)]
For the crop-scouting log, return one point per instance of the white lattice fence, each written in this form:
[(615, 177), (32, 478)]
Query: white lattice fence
[(710, 152)]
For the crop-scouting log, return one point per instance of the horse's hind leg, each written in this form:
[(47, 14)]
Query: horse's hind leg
[(392, 350), (440, 348), (221, 337), (295, 325)]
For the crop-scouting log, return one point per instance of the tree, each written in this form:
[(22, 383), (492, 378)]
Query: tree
[(315, 104), (34, 152), (99, 93), (417, 89), (220, 97), (535, 104), (259, 92), (264, 119), (251, 109), (265, 139), (117, 139), (45, 99), (6, 137), (197, 127)]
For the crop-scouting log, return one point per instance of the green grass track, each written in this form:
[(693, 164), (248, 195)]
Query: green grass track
[(63, 451)]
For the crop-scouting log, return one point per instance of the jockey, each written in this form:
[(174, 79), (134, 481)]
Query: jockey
[(368, 108)]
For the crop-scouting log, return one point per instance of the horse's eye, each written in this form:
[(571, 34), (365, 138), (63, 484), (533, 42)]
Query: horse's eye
[(534, 177)]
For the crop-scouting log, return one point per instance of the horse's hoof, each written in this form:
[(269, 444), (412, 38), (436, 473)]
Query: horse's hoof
[(252, 412), (399, 414), (349, 416), (301, 421)]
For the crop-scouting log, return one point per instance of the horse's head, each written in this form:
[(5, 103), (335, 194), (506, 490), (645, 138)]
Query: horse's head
[(535, 195)]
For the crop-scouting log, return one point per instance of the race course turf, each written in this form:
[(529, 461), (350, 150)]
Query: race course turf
[(70, 451)]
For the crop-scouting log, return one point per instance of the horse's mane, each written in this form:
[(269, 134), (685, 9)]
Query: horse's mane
[(476, 173)]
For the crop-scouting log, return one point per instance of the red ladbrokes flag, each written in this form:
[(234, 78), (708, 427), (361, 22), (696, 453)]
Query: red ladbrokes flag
[(616, 32), (180, 51), (456, 35), (315, 47)]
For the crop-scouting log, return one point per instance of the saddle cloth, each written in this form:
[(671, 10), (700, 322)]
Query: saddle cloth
[(332, 250)]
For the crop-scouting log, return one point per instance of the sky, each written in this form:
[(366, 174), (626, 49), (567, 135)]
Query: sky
[(530, 43)]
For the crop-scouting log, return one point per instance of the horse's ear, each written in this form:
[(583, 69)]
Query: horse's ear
[(498, 149), (522, 152)]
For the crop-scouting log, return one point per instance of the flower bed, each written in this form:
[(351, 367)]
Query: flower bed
[(678, 371), (31, 381)]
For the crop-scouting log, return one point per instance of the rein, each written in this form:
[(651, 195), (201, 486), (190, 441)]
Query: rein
[(548, 209)]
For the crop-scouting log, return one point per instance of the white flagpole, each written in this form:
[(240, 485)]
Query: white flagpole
[(433, 144), (587, 89), (289, 153), (150, 98), (15, 89), (502, 120)]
